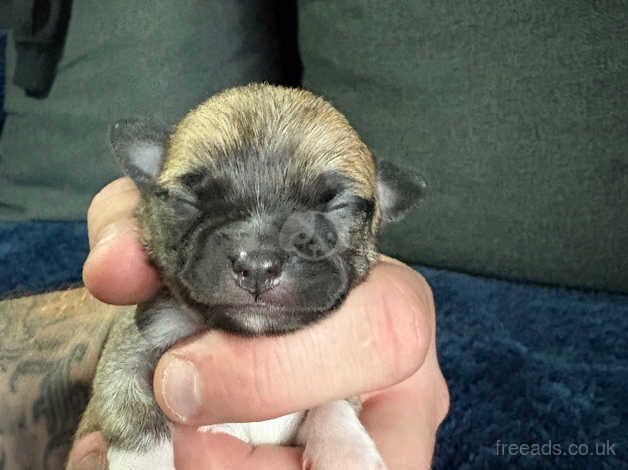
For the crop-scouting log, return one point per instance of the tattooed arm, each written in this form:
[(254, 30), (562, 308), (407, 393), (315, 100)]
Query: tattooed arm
[(49, 347)]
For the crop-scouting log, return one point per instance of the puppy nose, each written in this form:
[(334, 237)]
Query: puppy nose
[(257, 271)]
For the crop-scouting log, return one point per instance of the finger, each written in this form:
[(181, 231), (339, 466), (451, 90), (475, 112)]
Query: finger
[(403, 434), (404, 423), (117, 270), (403, 419), (377, 338), (388, 259), (89, 453), (195, 450)]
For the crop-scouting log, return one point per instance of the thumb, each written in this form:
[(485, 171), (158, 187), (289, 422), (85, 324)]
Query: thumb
[(195, 449), (116, 270)]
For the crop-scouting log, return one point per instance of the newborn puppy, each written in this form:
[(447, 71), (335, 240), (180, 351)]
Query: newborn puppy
[(261, 211)]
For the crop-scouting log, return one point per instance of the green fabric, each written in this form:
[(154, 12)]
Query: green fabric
[(515, 112), (122, 58)]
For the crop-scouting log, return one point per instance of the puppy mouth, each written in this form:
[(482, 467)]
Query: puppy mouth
[(258, 319), (273, 312), (252, 309)]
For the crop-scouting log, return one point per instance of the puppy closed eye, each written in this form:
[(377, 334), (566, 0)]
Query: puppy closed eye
[(332, 199), (326, 196), (180, 200), (356, 205)]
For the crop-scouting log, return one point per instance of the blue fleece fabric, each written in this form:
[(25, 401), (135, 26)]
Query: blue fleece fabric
[(531, 365)]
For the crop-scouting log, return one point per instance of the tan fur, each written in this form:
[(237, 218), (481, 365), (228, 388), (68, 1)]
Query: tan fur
[(220, 125), (326, 141)]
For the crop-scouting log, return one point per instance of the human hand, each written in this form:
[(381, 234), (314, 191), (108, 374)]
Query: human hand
[(379, 344)]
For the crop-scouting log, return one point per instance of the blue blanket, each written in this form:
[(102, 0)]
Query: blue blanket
[(533, 366)]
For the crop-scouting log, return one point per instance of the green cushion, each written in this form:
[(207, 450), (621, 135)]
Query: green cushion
[(122, 59), (515, 113)]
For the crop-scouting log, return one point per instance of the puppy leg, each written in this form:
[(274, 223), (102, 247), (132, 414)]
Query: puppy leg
[(122, 405), (334, 439)]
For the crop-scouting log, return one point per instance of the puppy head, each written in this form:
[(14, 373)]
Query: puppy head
[(261, 209)]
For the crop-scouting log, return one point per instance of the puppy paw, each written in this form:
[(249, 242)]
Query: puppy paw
[(346, 455), (159, 457)]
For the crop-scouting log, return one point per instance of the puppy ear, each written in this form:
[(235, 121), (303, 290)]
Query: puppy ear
[(139, 145), (399, 190)]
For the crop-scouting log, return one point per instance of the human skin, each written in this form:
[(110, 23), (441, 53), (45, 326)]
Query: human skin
[(380, 344)]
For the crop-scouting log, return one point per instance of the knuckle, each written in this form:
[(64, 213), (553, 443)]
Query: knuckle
[(250, 385), (113, 203), (407, 328), (421, 308), (264, 394), (113, 189)]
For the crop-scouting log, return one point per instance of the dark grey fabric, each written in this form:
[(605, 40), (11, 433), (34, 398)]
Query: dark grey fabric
[(122, 58), (516, 114), (39, 29), (6, 14)]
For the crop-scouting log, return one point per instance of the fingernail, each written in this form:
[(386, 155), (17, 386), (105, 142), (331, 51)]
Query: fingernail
[(92, 461), (180, 385)]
